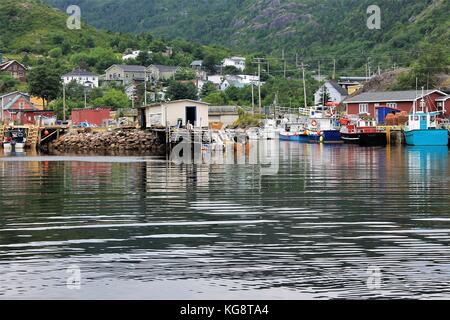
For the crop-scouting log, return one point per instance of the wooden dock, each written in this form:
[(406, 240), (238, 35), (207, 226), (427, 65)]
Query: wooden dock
[(37, 136)]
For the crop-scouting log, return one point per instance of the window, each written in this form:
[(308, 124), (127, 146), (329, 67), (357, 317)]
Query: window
[(392, 105), (363, 108), (440, 106)]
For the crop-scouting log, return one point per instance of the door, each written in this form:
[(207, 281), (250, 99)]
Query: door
[(191, 115)]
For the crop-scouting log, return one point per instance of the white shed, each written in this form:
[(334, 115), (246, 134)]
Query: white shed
[(177, 113)]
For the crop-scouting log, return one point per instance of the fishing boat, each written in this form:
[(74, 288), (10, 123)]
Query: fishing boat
[(422, 128), (293, 132), (270, 130), (362, 132), (14, 140), (323, 126), (253, 134)]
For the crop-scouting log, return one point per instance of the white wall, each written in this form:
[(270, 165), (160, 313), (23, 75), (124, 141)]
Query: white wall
[(175, 111), (82, 80)]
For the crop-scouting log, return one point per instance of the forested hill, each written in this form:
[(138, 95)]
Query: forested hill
[(308, 27)]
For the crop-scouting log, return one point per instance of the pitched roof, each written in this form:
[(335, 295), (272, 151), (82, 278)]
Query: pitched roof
[(176, 101), (389, 96), (445, 98), (6, 64), (162, 68), (223, 109), (129, 67), (14, 92), (338, 88), (80, 72), (196, 63), (16, 98)]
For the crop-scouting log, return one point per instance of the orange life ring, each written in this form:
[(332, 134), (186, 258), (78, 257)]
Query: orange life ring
[(314, 123)]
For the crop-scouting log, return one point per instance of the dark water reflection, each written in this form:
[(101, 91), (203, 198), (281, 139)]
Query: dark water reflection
[(139, 227)]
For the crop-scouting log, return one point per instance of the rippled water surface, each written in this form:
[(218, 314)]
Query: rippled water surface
[(323, 222)]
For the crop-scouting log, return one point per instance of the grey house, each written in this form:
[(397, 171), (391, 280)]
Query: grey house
[(157, 72), (126, 74)]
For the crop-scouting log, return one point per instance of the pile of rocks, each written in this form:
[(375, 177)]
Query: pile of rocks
[(130, 140)]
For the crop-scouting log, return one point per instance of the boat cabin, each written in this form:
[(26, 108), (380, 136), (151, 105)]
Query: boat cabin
[(423, 120)]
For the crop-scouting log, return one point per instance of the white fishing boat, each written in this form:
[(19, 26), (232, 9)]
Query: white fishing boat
[(269, 131), (254, 134)]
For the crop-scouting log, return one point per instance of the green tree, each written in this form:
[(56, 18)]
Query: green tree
[(210, 62), (113, 98), (144, 58), (178, 90), (185, 74), (231, 70), (44, 82), (207, 89), (216, 98), (8, 83)]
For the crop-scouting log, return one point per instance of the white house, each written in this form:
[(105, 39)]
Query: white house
[(133, 55), (83, 77), (176, 113), (237, 62), (335, 92)]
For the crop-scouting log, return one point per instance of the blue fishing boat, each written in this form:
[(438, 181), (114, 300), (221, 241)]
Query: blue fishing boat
[(323, 126), (422, 129)]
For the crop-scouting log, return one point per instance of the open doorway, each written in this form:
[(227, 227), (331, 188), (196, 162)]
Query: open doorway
[(191, 115)]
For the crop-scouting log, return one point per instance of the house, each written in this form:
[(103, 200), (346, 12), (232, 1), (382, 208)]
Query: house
[(370, 102), (17, 107), (98, 116), (197, 64), (157, 72), (83, 77), (175, 113), (237, 62), (334, 92), (133, 55), (226, 115), (239, 81), (126, 74), (216, 80), (15, 69)]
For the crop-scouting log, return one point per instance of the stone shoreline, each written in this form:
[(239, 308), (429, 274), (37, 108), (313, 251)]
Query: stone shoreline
[(123, 140)]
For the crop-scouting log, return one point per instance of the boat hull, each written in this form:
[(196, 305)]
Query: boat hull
[(366, 139), (426, 137), (330, 136)]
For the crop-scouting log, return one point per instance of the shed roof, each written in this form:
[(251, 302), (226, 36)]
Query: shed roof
[(390, 96), (80, 72)]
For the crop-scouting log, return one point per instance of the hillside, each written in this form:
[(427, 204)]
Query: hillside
[(323, 29)]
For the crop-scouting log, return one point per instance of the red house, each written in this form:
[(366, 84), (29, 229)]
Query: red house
[(370, 102), (91, 116)]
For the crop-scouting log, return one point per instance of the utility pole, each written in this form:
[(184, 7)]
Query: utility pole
[(259, 61), (253, 99), (368, 67), (145, 88), (268, 67), (85, 98), (64, 102), (303, 66), (284, 63)]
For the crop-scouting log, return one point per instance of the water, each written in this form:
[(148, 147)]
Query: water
[(326, 222)]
